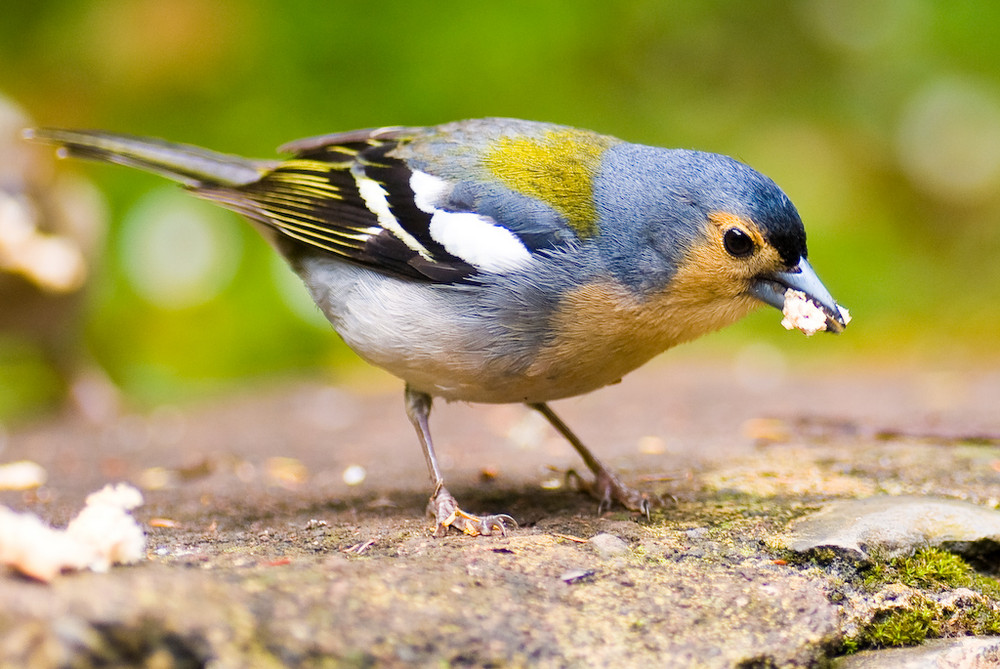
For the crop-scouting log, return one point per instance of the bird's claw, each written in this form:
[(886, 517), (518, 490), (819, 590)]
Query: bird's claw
[(447, 514), (609, 490)]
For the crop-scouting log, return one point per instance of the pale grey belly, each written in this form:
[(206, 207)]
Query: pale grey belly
[(435, 337)]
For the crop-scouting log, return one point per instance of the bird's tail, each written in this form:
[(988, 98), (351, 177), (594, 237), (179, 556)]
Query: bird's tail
[(190, 165)]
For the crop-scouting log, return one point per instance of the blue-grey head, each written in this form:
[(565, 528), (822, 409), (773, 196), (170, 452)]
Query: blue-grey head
[(707, 227)]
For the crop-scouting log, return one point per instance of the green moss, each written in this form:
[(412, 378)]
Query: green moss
[(893, 628), (817, 557), (850, 646), (934, 568), (904, 626), (930, 569), (978, 619), (638, 625)]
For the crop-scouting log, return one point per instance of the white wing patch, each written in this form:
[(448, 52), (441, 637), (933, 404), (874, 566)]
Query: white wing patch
[(478, 241), (375, 199), (428, 191)]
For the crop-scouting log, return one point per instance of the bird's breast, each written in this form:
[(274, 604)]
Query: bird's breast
[(452, 342), (604, 330)]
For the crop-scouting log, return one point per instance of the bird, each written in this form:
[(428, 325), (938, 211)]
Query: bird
[(498, 260)]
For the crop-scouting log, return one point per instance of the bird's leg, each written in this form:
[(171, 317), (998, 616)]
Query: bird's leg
[(442, 504), (607, 487)]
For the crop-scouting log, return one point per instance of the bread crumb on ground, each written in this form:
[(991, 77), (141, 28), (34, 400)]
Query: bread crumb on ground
[(103, 534)]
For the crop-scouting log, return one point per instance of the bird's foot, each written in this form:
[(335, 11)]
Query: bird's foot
[(445, 510), (608, 489)]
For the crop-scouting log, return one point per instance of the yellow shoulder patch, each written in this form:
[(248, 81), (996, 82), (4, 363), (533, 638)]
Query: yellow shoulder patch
[(557, 168)]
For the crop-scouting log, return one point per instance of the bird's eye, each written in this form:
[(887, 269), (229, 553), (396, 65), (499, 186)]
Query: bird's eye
[(738, 243)]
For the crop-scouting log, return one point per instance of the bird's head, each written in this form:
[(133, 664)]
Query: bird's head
[(731, 238)]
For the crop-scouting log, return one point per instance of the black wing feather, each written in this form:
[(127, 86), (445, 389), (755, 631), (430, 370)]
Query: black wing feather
[(314, 200)]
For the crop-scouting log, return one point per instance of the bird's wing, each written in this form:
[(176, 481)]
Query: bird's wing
[(364, 197)]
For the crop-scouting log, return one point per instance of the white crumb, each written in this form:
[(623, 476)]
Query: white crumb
[(106, 527), (103, 534), (801, 313), (33, 548), (21, 475), (56, 264), (52, 262)]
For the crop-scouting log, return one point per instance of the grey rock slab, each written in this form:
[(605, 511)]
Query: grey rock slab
[(961, 653), (893, 526), (608, 545), (467, 604)]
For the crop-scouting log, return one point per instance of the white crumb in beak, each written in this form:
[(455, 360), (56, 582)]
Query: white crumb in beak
[(103, 534), (801, 313)]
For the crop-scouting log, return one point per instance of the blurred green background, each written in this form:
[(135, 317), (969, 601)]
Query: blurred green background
[(880, 118)]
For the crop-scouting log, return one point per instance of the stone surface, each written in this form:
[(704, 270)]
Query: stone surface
[(261, 553), (608, 545), (961, 653), (893, 526), (502, 604)]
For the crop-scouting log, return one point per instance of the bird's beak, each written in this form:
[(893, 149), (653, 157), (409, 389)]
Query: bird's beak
[(771, 288)]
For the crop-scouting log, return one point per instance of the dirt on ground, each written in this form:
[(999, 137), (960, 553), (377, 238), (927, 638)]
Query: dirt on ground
[(286, 526)]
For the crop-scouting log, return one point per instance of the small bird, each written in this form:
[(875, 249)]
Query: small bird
[(499, 260)]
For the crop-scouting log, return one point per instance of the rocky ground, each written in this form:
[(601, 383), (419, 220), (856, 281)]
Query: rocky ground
[(286, 527)]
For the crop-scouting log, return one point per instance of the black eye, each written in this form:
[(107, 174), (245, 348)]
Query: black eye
[(738, 242)]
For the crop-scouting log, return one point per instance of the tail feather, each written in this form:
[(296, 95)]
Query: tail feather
[(190, 165)]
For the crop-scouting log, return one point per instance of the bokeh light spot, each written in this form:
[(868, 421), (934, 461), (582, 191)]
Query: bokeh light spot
[(864, 25), (178, 252), (949, 139)]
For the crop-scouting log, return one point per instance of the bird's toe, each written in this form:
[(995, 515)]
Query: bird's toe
[(609, 490), (447, 515)]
